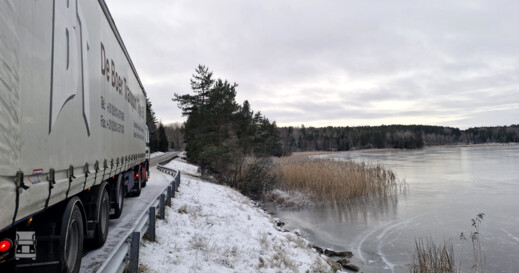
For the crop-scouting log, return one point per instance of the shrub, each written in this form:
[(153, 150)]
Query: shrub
[(251, 176)]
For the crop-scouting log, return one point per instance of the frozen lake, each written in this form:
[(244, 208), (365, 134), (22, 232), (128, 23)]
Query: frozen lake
[(447, 188)]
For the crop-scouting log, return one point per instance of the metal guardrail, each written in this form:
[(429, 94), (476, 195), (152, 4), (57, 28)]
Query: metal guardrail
[(166, 170), (126, 253)]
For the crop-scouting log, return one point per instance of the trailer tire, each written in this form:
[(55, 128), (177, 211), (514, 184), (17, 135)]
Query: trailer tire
[(71, 237), (102, 218), (119, 197)]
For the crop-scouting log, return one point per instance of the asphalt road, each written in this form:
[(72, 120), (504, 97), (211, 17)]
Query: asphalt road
[(156, 160), (132, 209)]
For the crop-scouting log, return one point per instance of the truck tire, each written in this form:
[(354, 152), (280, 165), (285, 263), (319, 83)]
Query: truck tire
[(71, 237), (102, 218), (118, 197)]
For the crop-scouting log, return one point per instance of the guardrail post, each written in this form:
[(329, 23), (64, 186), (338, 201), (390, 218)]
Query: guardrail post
[(134, 252), (168, 196), (151, 228), (162, 209)]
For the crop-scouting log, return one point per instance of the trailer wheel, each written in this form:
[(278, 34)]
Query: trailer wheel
[(119, 197), (71, 237), (103, 216)]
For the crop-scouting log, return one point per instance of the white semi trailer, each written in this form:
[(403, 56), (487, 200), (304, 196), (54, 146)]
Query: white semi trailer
[(72, 131)]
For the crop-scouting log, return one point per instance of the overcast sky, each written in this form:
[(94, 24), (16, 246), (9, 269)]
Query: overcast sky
[(336, 62)]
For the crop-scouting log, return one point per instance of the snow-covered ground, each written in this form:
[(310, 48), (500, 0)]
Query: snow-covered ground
[(213, 228), (184, 167), (289, 200), (155, 154)]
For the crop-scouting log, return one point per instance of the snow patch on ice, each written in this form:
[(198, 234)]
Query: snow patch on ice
[(213, 228)]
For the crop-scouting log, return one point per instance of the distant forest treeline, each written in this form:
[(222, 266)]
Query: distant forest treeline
[(301, 139)]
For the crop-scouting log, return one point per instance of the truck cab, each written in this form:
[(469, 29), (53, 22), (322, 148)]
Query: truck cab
[(25, 245), (147, 139)]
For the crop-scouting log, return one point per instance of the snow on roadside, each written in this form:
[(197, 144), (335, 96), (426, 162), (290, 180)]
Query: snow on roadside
[(213, 228), (291, 199), (155, 154), (183, 167)]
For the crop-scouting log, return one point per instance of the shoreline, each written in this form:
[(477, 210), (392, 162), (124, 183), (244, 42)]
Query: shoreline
[(313, 153), (213, 228)]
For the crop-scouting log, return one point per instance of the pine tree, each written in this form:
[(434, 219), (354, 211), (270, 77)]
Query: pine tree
[(217, 129), (219, 134), (202, 82), (210, 114)]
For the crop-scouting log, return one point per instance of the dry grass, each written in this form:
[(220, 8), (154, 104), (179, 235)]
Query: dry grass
[(199, 242), (143, 269), (280, 260), (335, 181), (183, 209), (432, 258)]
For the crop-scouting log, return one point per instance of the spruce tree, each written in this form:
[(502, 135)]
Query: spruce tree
[(245, 128), (162, 139), (151, 122)]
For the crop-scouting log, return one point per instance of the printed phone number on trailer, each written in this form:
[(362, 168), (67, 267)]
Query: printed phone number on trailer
[(112, 125)]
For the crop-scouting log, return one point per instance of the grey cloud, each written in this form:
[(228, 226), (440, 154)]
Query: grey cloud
[(449, 53)]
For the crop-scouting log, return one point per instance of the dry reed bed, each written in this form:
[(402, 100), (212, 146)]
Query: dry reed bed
[(432, 258), (335, 181)]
